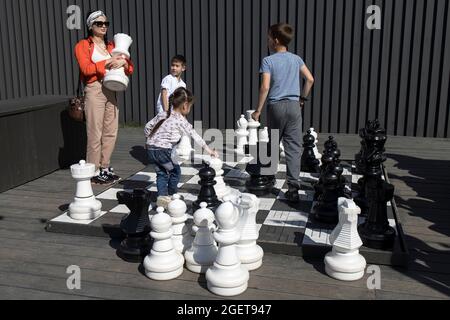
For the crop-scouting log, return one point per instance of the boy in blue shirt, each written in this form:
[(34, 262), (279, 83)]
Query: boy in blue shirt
[(280, 85)]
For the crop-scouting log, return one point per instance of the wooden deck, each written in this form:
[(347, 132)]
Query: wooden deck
[(33, 262)]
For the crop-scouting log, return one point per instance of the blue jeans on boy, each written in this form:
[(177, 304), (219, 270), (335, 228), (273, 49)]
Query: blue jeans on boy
[(168, 174)]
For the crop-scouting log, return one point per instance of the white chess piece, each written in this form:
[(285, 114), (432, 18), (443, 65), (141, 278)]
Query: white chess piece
[(250, 254), (344, 261), (252, 128), (220, 187), (201, 255), (241, 134), (227, 276), (163, 261), (116, 79), (84, 206), (264, 135), (182, 152), (282, 153), (181, 238), (316, 143)]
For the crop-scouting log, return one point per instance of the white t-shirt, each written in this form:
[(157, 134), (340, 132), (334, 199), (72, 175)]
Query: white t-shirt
[(170, 83), (98, 56)]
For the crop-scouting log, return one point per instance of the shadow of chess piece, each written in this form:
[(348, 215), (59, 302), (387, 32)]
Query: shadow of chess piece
[(260, 182), (376, 232), (207, 192), (136, 225), (309, 162)]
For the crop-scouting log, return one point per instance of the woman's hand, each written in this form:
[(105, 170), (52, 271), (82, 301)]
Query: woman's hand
[(116, 62), (213, 153)]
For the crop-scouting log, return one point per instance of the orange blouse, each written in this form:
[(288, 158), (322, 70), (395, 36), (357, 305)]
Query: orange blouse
[(89, 70)]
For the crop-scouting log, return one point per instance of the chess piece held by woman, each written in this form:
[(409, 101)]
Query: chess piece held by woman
[(116, 79)]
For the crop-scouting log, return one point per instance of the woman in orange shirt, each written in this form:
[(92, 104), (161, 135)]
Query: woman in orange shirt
[(102, 114)]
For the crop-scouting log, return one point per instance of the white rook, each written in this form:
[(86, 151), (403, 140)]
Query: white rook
[(181, 237), (250, 254), (344, 261), (163, 261), (116, 79), (201, 255), (84, 206), (227, 276)]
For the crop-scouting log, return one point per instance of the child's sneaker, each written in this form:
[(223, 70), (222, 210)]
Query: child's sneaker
[(163, 201)]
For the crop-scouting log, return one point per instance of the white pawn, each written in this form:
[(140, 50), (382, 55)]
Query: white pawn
[(201, 255), (316, 143), (250, 254), (344, 261), (241, 134), (227, 276), (181, 238), (163, 261), (252, 129), (84, 206), (220, 187), (264, 135)]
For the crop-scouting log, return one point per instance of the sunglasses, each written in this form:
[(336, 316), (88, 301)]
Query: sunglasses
[(100, 24)]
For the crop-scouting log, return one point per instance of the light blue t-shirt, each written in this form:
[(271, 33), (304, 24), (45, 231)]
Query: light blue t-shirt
[(284, 69)]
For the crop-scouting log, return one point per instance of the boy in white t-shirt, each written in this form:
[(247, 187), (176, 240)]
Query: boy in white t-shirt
[(171, 82)]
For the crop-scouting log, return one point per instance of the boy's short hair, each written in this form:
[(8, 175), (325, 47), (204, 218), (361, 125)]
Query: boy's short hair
[(179, 58), (283, 32)]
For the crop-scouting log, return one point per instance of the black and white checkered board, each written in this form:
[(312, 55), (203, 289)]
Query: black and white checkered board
[(284, 227)]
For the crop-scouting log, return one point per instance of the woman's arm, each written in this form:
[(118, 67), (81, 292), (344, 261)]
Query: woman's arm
[(87, 67)]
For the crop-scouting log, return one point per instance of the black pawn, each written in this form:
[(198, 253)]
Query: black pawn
[(135, 226), (375, 232), (309, 162), (207, 193), (326, 210), (260, 183)]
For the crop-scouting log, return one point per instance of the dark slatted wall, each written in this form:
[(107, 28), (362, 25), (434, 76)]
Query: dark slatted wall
[(399, 74)]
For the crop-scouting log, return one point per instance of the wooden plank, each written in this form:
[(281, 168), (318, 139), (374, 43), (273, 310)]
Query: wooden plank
[(337, 58), (328, 61), (245, 73), (230, 105), (221, 66), (15, 293), (317, 63)]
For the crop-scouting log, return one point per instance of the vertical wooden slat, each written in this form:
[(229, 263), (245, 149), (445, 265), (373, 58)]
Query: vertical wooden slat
[(336, 85), (328, 61), (374, 65), (201, 26), (425, 74), (318, 61), (246, 57), (193, 63), (410, 58), (230, 105), (140, 74), (221, 65), (310, 60), (6, 86), (212, 14), (344, 102), (255, 62), (443, 92), (12, 54), (385, 65)]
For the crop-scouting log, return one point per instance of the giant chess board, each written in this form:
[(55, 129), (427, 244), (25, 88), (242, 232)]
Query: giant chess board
[(284, 228)]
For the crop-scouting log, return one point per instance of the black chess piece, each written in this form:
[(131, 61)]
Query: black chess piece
[(373, 158), (326, 210), (207, 193), (309, 162), (331, 155), (376, 232), (260, 183), (135, 226)]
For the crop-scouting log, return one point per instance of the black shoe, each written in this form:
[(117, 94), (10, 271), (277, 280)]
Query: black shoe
[(111, 174), (292, 195), (102, 178)]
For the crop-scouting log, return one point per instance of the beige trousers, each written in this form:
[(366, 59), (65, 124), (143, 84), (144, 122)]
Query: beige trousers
[(102, 123)]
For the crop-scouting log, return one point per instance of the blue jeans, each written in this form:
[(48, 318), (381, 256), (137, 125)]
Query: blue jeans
[(168, 174)]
